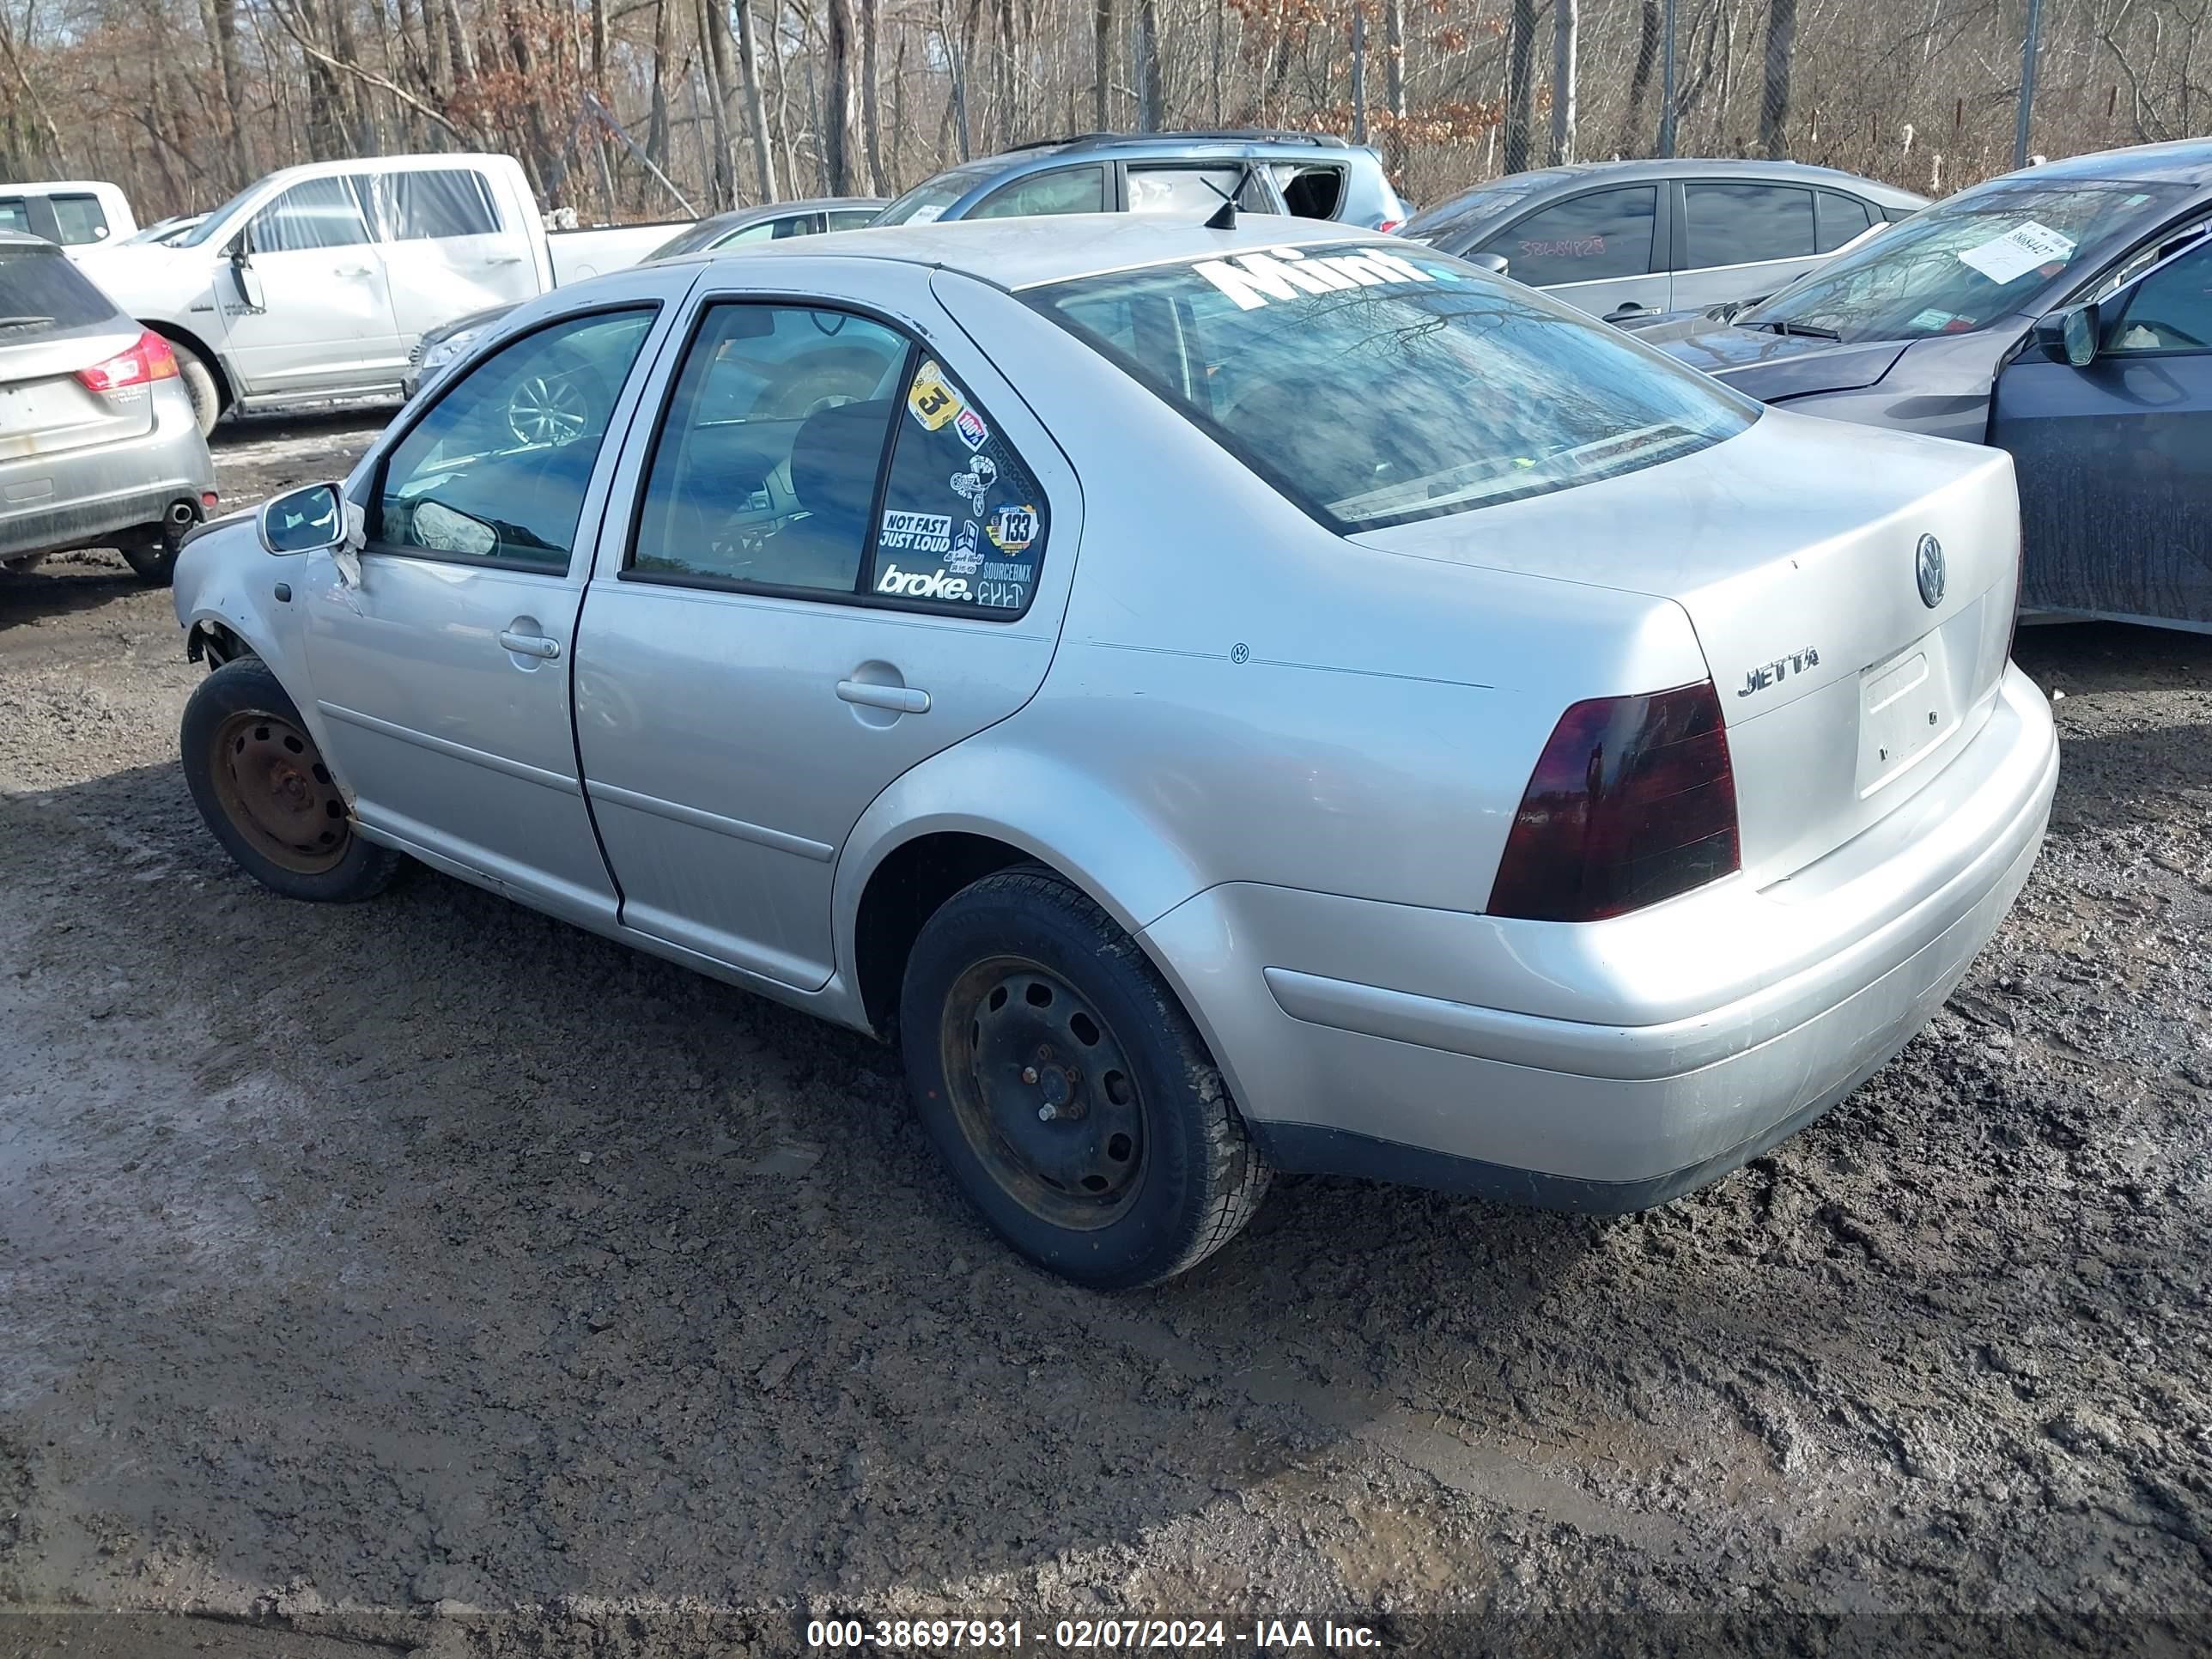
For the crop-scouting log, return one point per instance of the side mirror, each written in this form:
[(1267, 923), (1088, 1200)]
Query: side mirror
[(2070, 335), (303, 520), (1493, 262), (244, 277)]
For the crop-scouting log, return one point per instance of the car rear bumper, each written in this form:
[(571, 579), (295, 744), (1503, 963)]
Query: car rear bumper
[(1609, 1066), (75, 497)]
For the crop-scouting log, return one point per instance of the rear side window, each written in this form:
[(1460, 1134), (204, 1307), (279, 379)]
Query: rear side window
[(766, 465), (432, 202), (42, 293), (14, 214), (1745, 224), (497, 471), (79, 220), (1070, 190), (851, 218), (964, 521), (1841, 217), (315, 213), (1604, 235), (1374, 387), (1311, 192)]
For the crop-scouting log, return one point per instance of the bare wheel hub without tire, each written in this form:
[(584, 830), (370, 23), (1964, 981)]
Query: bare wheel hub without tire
[(275, 788), (1044, 1092)]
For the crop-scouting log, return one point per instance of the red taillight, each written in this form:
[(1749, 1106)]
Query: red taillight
[(149, 359), (1389, 225), (1633, 801)]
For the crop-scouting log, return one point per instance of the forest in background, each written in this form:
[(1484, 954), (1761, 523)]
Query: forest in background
[(659, 109)]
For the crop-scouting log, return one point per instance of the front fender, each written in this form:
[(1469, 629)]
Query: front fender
[(227, 583)]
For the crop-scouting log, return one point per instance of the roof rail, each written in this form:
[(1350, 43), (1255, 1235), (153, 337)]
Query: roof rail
[(1227, 135)]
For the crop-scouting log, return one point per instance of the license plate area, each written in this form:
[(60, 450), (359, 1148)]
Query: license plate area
[(1906, 709)]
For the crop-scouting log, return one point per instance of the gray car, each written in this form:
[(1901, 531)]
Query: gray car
[(1628, 240), (1221, 700), (1309, 175), (2062, 313), (98, 445)]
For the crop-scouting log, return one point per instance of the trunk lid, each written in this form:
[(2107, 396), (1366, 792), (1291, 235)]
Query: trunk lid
[(1795, 550)]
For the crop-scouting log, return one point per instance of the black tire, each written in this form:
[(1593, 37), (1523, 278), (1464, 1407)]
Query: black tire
[(154, 561), (200, 383), (1193, 1175), (243, 742)]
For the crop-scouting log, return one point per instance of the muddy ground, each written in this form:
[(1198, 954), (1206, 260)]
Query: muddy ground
[(427, 1274)]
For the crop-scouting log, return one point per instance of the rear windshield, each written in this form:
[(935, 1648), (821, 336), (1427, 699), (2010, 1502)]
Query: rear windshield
[(1960, 265), (1374, 387), (927, 200), (42, 293)]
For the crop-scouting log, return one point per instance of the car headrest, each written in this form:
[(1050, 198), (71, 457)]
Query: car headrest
[(833, 457)]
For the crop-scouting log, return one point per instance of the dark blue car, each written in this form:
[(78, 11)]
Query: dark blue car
[(2064, 313)]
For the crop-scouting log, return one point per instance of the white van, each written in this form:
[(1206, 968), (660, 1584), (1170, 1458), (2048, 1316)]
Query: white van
[(77, 212), (314, 282)]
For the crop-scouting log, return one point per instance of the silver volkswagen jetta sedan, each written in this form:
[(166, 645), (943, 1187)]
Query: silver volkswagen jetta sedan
[(1224, 700)]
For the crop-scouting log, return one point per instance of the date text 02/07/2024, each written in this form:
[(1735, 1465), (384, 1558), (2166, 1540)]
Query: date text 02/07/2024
[(1089, 1635)]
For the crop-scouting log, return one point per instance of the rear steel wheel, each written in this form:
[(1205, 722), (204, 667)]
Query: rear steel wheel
[(1044, 1092), (1066, 1089)]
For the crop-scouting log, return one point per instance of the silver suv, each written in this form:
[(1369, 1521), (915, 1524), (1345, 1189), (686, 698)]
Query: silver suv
[(98, 445)]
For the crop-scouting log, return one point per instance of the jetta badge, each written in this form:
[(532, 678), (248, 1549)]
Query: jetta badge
[(1927, 564)]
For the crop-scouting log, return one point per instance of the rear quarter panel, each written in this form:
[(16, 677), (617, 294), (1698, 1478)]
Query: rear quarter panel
[(1241, 694)]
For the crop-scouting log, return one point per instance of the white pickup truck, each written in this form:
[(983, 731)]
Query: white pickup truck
[(314, 282)]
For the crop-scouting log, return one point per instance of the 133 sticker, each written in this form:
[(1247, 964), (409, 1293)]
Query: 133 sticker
[(1014, 528), (932, 401)]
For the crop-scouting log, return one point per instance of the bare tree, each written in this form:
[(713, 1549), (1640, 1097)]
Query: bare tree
[(1152, 99), (748, 64), (837, 102), (1102, 35)]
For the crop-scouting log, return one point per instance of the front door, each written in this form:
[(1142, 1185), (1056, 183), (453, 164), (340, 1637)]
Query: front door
[(2115, 459), (323, 318), (1604, 252), (441, 682), (834, 574)]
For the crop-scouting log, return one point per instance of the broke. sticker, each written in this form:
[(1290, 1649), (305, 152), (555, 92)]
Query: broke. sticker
[(916, 532), (931, 399)]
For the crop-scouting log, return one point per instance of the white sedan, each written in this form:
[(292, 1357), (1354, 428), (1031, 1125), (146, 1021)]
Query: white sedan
[(1220, 699)]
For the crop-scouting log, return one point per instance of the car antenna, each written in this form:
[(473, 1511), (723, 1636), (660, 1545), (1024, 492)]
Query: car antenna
[(1224, 217)]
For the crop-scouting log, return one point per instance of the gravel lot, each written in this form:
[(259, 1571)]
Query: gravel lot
[(426, 1274)]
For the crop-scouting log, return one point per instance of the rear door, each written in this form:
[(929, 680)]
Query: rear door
[(840, 551), (442, 681), (2115, 459), (1603, 251), (324, 319), (1741, 240), (445, 246)]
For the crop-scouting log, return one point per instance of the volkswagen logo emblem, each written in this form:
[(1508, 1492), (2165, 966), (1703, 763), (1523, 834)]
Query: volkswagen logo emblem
[(1927, 564)]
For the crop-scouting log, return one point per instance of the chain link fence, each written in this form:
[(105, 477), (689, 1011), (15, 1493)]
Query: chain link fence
[(1929, 95)]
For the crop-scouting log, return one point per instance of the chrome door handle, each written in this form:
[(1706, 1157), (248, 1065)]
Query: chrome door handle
[(901, 699), (503, 259), (353, 270), (530, 645)]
